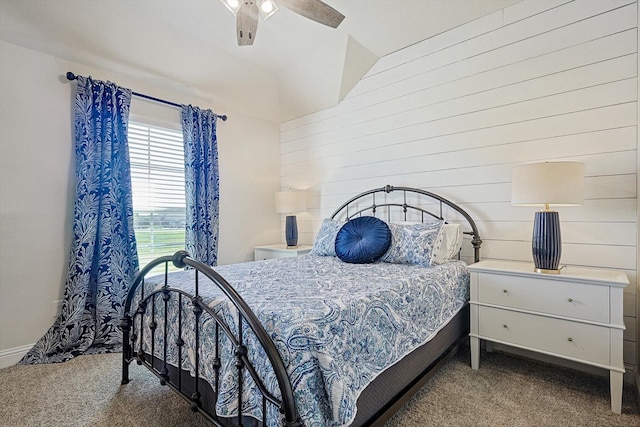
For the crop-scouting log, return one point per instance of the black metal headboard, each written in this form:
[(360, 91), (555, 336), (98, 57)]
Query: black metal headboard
[(366, 202)]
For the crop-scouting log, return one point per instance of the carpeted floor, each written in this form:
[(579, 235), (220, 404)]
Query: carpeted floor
[(506, 391)]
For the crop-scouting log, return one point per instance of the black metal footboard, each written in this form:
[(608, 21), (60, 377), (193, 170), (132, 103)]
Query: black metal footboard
[(152, 316)]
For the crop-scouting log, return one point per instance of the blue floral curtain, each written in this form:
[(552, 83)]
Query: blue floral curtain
[(103, 259), (202, 183)]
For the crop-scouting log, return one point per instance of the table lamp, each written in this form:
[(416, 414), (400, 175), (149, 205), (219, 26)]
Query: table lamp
[(546, 184), (290, 202)]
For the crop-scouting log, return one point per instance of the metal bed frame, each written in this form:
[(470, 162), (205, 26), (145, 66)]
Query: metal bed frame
[(199, 393)]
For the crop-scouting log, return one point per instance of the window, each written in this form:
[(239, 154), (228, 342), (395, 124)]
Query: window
[(157, 180)]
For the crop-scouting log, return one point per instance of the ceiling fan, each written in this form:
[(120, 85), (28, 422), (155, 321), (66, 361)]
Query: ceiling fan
[(247, 11)]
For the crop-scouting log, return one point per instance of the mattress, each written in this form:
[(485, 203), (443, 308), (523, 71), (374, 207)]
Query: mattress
[(337, 326)]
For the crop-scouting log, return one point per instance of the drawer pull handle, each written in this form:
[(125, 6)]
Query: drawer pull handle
[(570, 339), (504, 326), (504, 290), (570, 300)]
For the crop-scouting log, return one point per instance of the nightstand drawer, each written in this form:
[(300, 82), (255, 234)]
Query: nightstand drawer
[(562, 298), (554, 336)]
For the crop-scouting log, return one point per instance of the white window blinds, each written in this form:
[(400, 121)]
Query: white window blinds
[(157, 180)]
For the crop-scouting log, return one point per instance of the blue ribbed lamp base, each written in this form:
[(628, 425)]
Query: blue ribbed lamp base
[(291, 231), (546, 242)]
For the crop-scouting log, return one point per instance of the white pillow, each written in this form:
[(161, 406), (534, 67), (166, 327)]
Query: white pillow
[(451, 244)]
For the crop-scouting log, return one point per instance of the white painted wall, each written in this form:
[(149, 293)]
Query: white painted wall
[(37, 182), (540, 80)]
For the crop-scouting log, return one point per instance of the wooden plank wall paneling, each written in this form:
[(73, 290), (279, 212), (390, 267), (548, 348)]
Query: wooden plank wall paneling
[(540, 80)]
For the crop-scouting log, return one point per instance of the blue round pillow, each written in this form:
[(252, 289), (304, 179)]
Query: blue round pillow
[(363, 240)]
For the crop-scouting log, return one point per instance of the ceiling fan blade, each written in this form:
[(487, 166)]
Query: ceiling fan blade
[(316, 10), (247, 22)]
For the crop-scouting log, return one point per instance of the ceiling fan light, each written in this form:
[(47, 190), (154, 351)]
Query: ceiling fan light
[(232, 5), (267, 8)]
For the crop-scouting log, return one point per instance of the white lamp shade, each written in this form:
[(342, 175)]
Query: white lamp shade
[(291, 201), (549, 183)]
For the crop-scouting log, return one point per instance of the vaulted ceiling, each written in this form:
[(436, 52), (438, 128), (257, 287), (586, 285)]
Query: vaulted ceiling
[(296, 66)]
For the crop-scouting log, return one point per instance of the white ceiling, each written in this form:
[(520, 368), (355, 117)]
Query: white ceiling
[(295, 66)]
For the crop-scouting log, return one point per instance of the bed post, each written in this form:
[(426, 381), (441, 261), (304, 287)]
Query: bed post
[(125, 324), (476, 241)]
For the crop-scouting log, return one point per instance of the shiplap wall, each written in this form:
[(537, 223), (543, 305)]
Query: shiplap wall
[(540, 80)]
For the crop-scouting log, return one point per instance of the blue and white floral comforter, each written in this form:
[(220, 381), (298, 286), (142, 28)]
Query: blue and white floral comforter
[(336, 325)]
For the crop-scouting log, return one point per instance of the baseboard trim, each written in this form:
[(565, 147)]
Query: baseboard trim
[(637, 388), (11, 356)]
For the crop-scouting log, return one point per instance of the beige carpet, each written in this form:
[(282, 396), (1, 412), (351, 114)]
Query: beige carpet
[(506, 391)]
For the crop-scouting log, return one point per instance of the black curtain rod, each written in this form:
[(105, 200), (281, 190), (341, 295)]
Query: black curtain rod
[(71, 76)]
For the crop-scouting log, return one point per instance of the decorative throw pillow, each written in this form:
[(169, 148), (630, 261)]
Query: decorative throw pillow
[(415, 243), (363, 240), (325, 244)]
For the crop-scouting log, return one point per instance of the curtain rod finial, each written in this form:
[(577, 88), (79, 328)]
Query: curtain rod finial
[(70, 76)]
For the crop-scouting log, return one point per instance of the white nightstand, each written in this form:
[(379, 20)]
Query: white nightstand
[(279, 251), (576, 315)]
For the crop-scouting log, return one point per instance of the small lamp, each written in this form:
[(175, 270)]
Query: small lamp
[(549, 183), (290, 202)]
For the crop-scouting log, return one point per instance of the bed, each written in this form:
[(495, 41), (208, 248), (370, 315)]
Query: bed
[(314, 340)]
